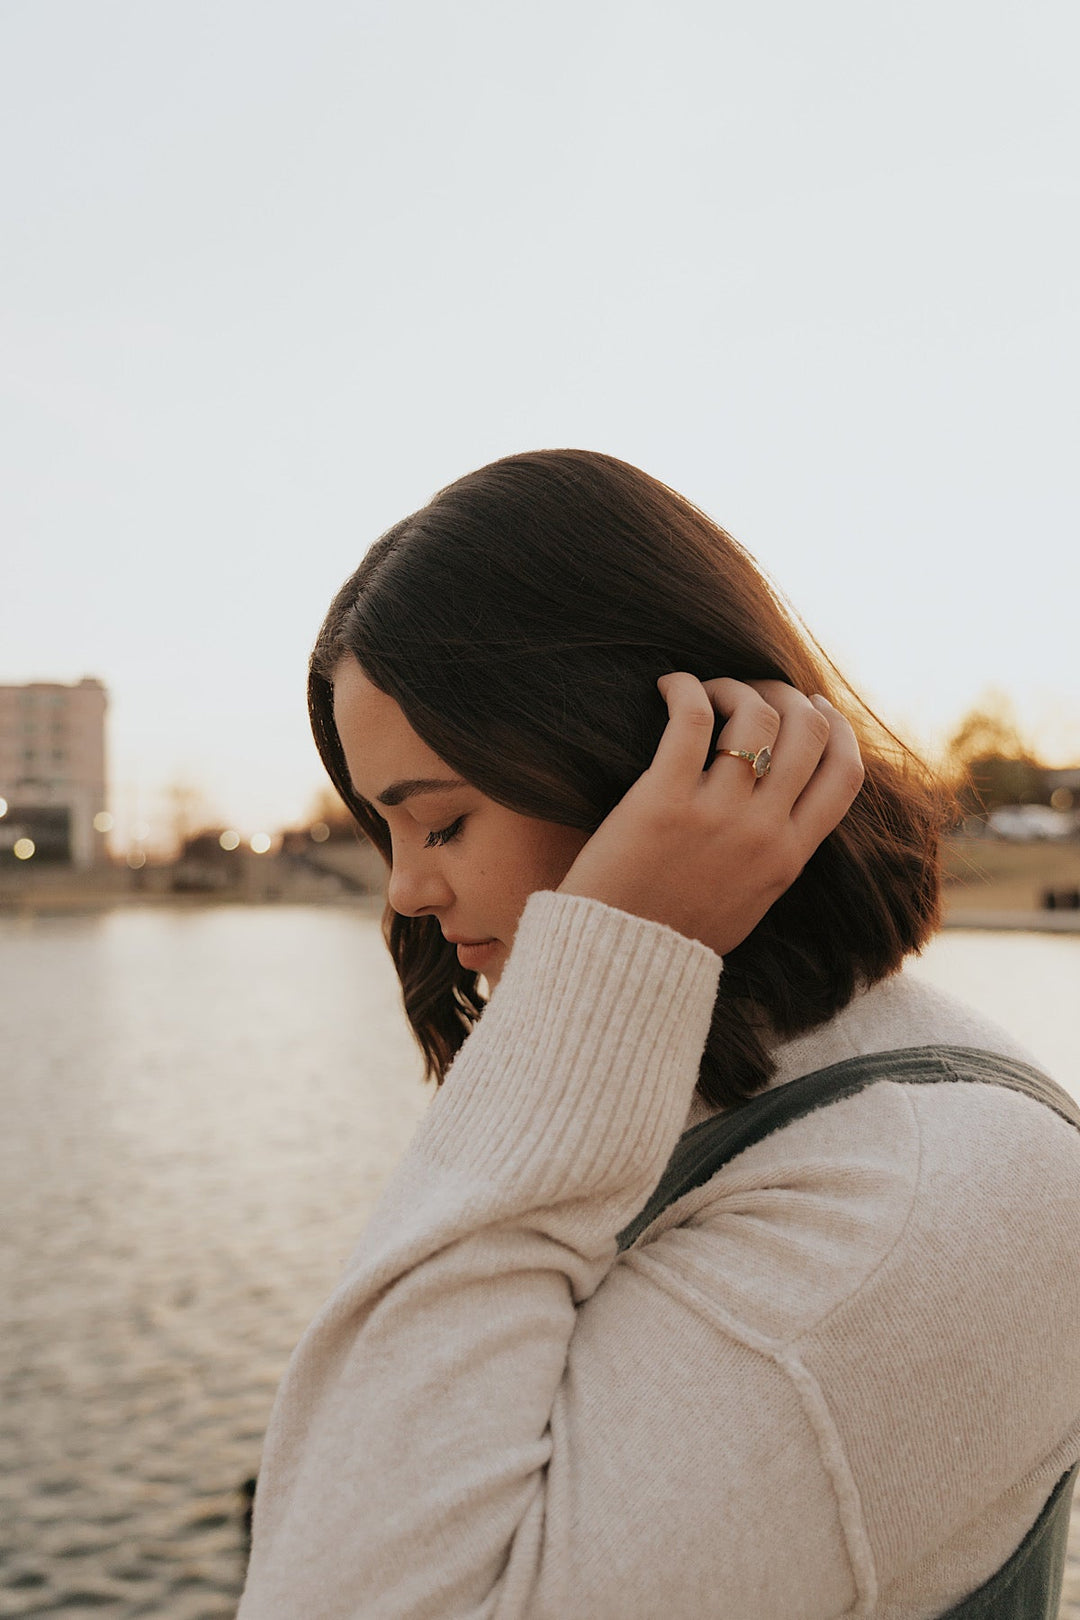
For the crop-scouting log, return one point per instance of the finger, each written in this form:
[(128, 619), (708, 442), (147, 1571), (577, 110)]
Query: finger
[(803, 736), (684, 744), (752, 724), (835, 784)]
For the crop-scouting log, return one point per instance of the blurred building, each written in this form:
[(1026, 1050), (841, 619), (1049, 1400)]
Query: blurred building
[(335, 849), (52, 773)]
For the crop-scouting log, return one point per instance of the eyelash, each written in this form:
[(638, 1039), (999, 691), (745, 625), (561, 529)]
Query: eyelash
[(445, 835)]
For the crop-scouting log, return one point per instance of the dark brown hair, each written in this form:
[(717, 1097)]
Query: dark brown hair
[(521, 620)]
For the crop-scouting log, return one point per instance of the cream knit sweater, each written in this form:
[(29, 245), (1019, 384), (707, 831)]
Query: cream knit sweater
[(839, 1379)]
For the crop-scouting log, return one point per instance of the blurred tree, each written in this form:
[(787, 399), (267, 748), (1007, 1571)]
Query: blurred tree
[(188, 812), (994, 764)]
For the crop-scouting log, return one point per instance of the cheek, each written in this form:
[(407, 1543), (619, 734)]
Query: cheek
[(532, 856), (562, 849)]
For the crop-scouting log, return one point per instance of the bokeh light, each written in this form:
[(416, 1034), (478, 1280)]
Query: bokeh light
[(260, 843), (23, 848), (3, 807), (136, 859), (103, 822), (230, 839), (318, 832)]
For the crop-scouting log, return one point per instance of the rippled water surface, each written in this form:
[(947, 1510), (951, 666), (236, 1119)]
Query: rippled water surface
[(199, 1107)]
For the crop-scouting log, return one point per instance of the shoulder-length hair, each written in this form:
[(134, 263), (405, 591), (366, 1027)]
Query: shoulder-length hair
[(520, 620)]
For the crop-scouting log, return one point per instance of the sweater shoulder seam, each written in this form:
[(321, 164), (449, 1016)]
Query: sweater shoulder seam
[(898, 1237), (849, 1502)]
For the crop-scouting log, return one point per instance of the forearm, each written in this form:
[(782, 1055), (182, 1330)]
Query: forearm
[(405, 1467)]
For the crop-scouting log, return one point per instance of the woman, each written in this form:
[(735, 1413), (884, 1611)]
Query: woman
[(841, 1376)]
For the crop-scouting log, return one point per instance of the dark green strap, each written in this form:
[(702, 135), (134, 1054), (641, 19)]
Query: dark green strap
[(701, 1151), (1028, 1585)]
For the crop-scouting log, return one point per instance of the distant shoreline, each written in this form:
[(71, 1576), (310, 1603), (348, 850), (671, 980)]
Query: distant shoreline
[(85, 901), (1013, 922), (989, 884)]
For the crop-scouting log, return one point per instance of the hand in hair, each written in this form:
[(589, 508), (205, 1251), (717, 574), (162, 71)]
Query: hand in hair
[(708, 847)]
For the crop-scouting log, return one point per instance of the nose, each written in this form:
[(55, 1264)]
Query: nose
[(416, 887)]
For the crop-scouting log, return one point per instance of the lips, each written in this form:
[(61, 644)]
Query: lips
[(475, 954)]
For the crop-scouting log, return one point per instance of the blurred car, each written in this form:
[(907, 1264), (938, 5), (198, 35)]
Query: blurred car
[(1021, 823)]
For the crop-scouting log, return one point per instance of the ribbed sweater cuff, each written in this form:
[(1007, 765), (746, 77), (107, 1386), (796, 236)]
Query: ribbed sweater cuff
[(579, 1075)]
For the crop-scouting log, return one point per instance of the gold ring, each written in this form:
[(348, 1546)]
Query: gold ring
[(761, 761)]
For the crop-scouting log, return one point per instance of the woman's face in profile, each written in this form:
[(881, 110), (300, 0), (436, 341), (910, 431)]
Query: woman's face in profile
[(457, 855)]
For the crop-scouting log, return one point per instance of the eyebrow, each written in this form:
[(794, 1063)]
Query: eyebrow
[(398, 792)]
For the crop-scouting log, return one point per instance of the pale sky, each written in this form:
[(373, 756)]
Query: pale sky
[(273, 272)]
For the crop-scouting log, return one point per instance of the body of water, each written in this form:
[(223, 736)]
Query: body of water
[(199, 1107)]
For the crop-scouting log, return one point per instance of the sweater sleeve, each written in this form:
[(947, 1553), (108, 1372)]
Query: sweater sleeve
[(443, 1439)]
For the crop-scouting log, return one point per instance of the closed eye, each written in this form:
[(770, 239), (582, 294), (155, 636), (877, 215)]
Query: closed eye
[(445, 835)]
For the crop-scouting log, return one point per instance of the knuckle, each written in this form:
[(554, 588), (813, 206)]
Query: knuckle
[(818, 725), (760, 846), (700, 717), (768, 719), (854, 776), (700, 819)]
